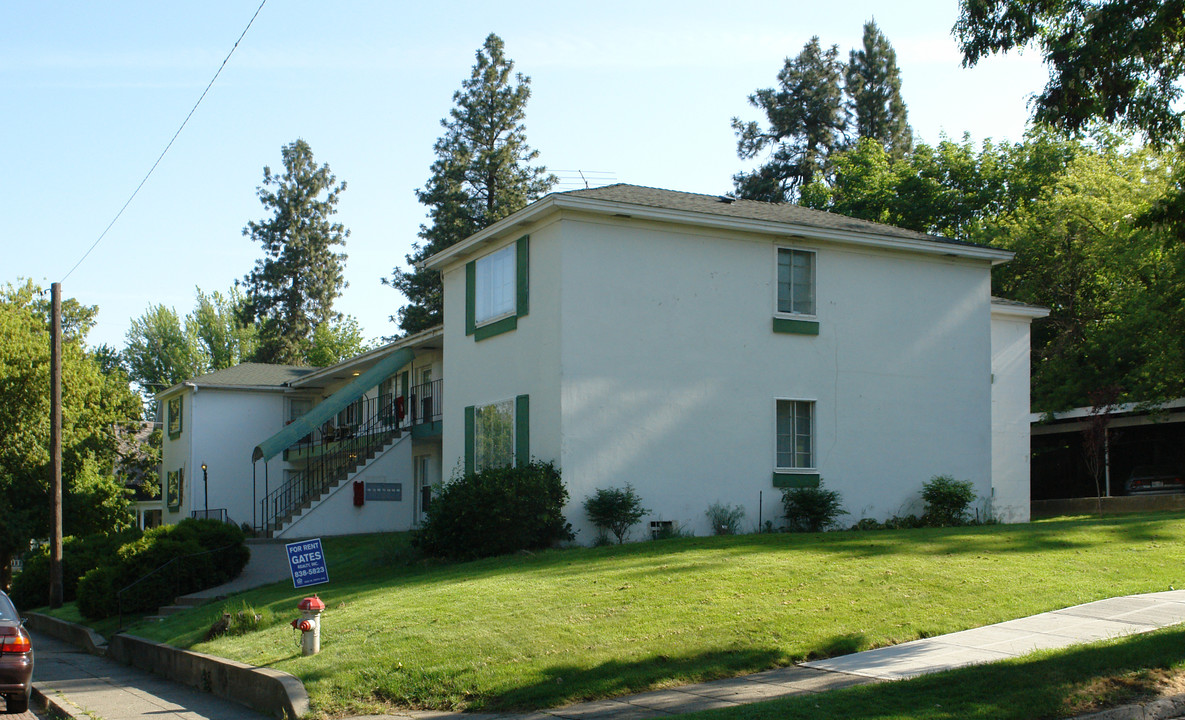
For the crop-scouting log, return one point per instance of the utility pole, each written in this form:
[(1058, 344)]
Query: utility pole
[(55, 448)]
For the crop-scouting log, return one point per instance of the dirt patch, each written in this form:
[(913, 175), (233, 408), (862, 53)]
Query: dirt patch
[(1107, 692)]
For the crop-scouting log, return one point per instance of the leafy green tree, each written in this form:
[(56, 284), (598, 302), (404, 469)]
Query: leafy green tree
[(873, 82), (93, 404), (1116, 61), (222, 338), (334, 342), (1112, 286), (483, 172), (292, 288), (806, 124), (954, 189), (160, 352)]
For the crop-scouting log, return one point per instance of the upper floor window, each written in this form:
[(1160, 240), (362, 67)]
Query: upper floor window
[(494, 291), (174, 419), (796, 281)]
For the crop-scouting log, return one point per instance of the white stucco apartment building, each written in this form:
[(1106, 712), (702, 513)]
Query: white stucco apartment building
[(704, 349), (701, 349), (284, 447)]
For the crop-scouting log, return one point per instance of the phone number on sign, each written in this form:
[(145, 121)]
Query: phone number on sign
[(307, 573)]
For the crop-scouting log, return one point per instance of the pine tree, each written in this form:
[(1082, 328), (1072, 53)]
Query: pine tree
[(292, 288), (482, 173), (874, 85), (807, 120)]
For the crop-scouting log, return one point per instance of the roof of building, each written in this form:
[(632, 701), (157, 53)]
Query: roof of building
[(780, 219), (1016, 307), (259, 375), (749, 209)]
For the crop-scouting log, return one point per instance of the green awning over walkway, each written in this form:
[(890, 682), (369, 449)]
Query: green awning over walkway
[(332, 405)]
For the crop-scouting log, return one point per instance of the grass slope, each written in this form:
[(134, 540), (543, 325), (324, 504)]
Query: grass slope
[(543, 630)]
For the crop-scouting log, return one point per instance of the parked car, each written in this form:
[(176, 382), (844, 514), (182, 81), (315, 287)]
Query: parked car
[(16, 659), (1155, 480)]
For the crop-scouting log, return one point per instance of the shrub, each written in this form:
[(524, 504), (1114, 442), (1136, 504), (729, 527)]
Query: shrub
[(725, 519), (904, 522), (669, 531), (495, 512), (164, 563), (30, 588), (96, 592), (812, 509), (615, 510), (947, 500)]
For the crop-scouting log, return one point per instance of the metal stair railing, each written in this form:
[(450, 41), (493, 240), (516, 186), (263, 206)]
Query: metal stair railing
[(331, 453)]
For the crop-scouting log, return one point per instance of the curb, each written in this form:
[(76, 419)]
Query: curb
[(271, 692), (75, 634), (51, 706)]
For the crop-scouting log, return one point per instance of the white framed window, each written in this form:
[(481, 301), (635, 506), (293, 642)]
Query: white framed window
[(423, 484), (795, 435), (796, 282), (493, 435), (494, 285), (298, 406)]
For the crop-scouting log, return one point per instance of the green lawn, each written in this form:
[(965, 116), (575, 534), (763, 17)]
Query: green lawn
[(542, 630)]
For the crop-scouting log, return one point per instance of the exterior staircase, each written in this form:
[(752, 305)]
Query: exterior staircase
[(306, 490)]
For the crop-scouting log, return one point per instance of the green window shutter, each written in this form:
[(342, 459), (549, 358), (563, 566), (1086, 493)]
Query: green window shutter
[(469, 422), (522, 430), (403, 382), (470, 296), (522, 267)]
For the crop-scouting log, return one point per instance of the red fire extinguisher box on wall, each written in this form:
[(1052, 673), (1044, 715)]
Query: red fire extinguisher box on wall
[(359, 493)]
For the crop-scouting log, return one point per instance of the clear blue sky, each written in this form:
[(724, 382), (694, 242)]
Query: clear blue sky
[(641, 90)]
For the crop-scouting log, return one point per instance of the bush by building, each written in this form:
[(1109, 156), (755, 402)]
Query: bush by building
[(164, 563), (495, 512)]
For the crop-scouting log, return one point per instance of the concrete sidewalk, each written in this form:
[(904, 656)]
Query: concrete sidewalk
[(88, 686), (1099, 620)]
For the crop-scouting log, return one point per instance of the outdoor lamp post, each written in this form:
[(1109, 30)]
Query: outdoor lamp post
[(206, 488)]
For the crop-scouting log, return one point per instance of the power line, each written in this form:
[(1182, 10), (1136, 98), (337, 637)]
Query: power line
[(174, 138)]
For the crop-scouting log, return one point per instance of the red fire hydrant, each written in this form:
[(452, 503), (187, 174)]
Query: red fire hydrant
[(309, 625)]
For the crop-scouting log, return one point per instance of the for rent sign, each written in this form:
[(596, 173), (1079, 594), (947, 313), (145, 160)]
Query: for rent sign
[(307, 562)]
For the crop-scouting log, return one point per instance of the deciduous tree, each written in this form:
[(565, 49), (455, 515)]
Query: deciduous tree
[(93, 405), (160, 352), (1115, 61), (483, 172)]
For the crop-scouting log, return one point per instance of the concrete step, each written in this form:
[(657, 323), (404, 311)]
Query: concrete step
[(168, 610)]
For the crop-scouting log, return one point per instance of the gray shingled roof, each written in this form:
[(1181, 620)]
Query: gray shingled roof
[(253, 374), (750, 210)]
